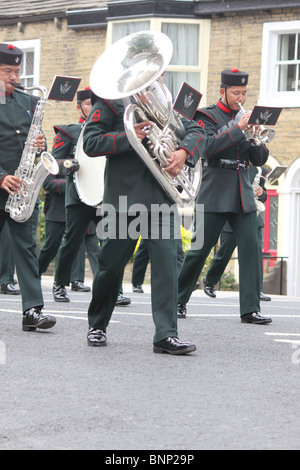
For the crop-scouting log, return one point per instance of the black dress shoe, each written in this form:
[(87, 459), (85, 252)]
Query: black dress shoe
[(209, 289), (33, 318), (122, 301), (265, 297), (96, 337), (10, 289), (181, 311), (60, 293), (172, 345), (256, 318), (137, 289), (78, 286)]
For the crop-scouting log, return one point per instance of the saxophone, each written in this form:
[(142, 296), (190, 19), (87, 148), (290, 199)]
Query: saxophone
[(20, 205), (259, 205)]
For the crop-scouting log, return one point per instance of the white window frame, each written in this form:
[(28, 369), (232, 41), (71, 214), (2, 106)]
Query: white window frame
[(269, 94), (32, 45), (204, 39)]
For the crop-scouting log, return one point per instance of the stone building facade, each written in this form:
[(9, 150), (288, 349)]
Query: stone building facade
[(68, 36)]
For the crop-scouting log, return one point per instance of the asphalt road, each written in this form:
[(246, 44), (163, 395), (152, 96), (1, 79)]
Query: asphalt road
[(239, 390)]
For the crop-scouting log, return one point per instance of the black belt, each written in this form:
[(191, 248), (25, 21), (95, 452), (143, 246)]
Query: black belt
[(228, 164)]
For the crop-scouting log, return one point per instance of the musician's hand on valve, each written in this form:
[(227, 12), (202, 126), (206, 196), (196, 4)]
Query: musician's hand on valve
[(11, 184), (243, 123), (176, 162), (253, 129), (140, 129)]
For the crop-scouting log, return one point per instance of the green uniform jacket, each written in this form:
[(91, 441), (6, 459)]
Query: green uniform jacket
[(262, 198), (61, 188), (15, 120), (126, 173), (56, 187), (222, 189)]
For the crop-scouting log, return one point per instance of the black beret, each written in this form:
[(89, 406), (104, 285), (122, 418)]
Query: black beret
[(83, 94), (234, 77), (10, 55)]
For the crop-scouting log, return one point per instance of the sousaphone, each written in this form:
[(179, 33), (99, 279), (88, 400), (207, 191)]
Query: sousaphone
[(131, 70)]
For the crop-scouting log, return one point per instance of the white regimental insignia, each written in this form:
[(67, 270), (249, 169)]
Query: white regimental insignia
[(265, 116), (65, 88), (188, 100)]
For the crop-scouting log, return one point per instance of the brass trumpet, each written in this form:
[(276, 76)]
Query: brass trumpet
[(257, 134)]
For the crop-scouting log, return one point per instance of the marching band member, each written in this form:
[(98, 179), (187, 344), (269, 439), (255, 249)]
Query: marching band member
[(227, 195), (15, 121), (58, 189), (228, 245), (80, 217), (128, 177)]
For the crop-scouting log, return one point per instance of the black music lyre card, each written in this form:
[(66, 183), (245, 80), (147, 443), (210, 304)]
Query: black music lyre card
[(187, 101), (264, 116), (63, 88), (275, 174)]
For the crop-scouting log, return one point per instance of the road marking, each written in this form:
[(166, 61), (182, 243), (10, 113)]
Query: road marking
[(123, 312), (282, 334), (71, 317), (289, 341), (237, 315), (192, 303)]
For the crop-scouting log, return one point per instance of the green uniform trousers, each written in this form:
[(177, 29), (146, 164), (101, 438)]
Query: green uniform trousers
[(245, 229), (78, 218), (224, 254), (142, 258), (140, 264), (221, 258), (24, 241), (7, 257), (53, 239), (114, 255), (92, 248)]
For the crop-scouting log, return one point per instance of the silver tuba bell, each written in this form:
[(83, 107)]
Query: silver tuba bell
[(136, 64)]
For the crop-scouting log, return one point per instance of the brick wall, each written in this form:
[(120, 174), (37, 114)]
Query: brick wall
[(236, 41), (63, 52)]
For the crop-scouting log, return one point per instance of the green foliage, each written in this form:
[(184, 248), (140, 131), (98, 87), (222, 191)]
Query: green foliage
[(228, 281), (186, 239), (42, 224)]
